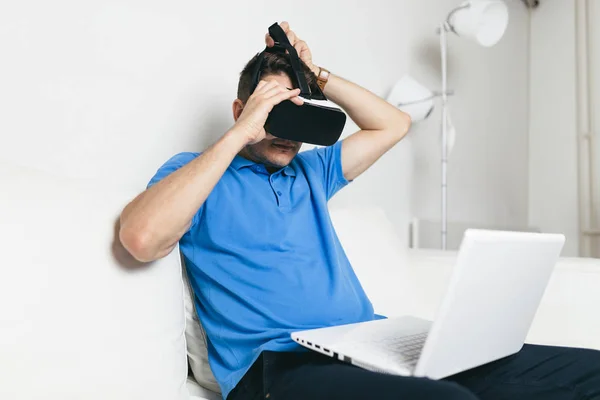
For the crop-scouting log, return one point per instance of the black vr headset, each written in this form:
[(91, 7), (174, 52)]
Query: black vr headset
[(308, 123)]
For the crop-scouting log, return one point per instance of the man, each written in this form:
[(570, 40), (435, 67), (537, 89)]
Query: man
[(251, 217)]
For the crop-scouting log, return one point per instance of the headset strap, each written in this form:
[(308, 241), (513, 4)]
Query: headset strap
[(282, 44)]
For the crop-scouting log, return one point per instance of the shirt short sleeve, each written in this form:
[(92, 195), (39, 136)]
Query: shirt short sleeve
[(327, 162), (172, 165)]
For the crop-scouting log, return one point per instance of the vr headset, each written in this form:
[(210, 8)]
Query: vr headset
[(310, 122)]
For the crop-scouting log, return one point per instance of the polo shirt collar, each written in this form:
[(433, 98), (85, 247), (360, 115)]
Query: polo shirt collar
[(289, 171), (240, 162)]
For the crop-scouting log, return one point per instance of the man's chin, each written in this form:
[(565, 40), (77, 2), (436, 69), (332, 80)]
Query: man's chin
[(281, 160)]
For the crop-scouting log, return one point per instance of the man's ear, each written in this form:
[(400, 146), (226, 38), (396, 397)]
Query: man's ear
[(237, 108)]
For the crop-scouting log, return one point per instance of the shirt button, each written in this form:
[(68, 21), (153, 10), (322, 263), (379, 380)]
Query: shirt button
[(279, 193)]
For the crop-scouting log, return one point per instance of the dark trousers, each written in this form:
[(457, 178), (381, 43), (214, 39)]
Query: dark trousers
[(536, 372)]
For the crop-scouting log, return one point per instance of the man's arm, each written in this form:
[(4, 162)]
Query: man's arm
[(153, 223), (381, 125)]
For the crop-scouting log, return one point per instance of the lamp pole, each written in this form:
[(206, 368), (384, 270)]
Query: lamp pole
[(444, 55)]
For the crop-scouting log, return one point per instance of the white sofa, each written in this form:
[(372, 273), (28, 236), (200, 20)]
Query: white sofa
[(79, 319)]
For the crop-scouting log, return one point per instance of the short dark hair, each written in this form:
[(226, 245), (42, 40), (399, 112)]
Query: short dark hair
[(273, 64)]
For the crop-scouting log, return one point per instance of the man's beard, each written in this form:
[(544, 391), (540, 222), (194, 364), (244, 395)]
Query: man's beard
[(262, 159)]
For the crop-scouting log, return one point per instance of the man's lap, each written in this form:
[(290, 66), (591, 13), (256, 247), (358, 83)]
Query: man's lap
[(309, 375), (537, 372)]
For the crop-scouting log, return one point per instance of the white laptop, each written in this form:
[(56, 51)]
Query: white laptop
[(495, 290)]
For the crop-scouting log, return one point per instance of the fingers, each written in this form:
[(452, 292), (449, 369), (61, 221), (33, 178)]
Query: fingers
[(285, 26), (275, 91), (260, 85), (297, 100), (276, 96), (269, 40), (301, 47), (265, 86), (287, 95), (292, 37)]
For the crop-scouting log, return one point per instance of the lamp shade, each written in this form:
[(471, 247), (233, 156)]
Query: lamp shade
[(483, 21), (412, 98)]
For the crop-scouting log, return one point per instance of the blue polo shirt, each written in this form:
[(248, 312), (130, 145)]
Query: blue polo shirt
[(264, 259)]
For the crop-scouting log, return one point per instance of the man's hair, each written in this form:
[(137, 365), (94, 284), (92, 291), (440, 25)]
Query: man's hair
[(273, 64)]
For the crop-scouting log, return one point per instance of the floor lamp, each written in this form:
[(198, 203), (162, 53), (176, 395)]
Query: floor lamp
[(482, 21)]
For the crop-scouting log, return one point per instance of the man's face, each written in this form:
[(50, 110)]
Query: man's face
[(273, 152)]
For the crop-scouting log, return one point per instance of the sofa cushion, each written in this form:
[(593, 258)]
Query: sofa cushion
[(378, 256), (79, 320), (568, 314), (198, 392), (196, 341)]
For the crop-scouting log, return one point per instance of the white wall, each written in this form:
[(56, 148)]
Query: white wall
[(593, 243), (553, 165), (594, 71), (107, 90)]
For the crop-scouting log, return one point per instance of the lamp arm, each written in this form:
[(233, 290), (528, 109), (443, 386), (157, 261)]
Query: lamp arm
[(448, 27)]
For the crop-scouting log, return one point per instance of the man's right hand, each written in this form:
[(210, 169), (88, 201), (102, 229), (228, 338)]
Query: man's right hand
[(256, 110)]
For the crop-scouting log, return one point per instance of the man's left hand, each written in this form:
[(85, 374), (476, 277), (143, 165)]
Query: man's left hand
[(300, 46)]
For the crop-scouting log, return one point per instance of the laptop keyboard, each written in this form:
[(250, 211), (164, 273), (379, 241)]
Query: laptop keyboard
[(408, 348)]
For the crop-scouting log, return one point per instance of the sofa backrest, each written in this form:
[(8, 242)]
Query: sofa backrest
[(378, 256), (78, 319)]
